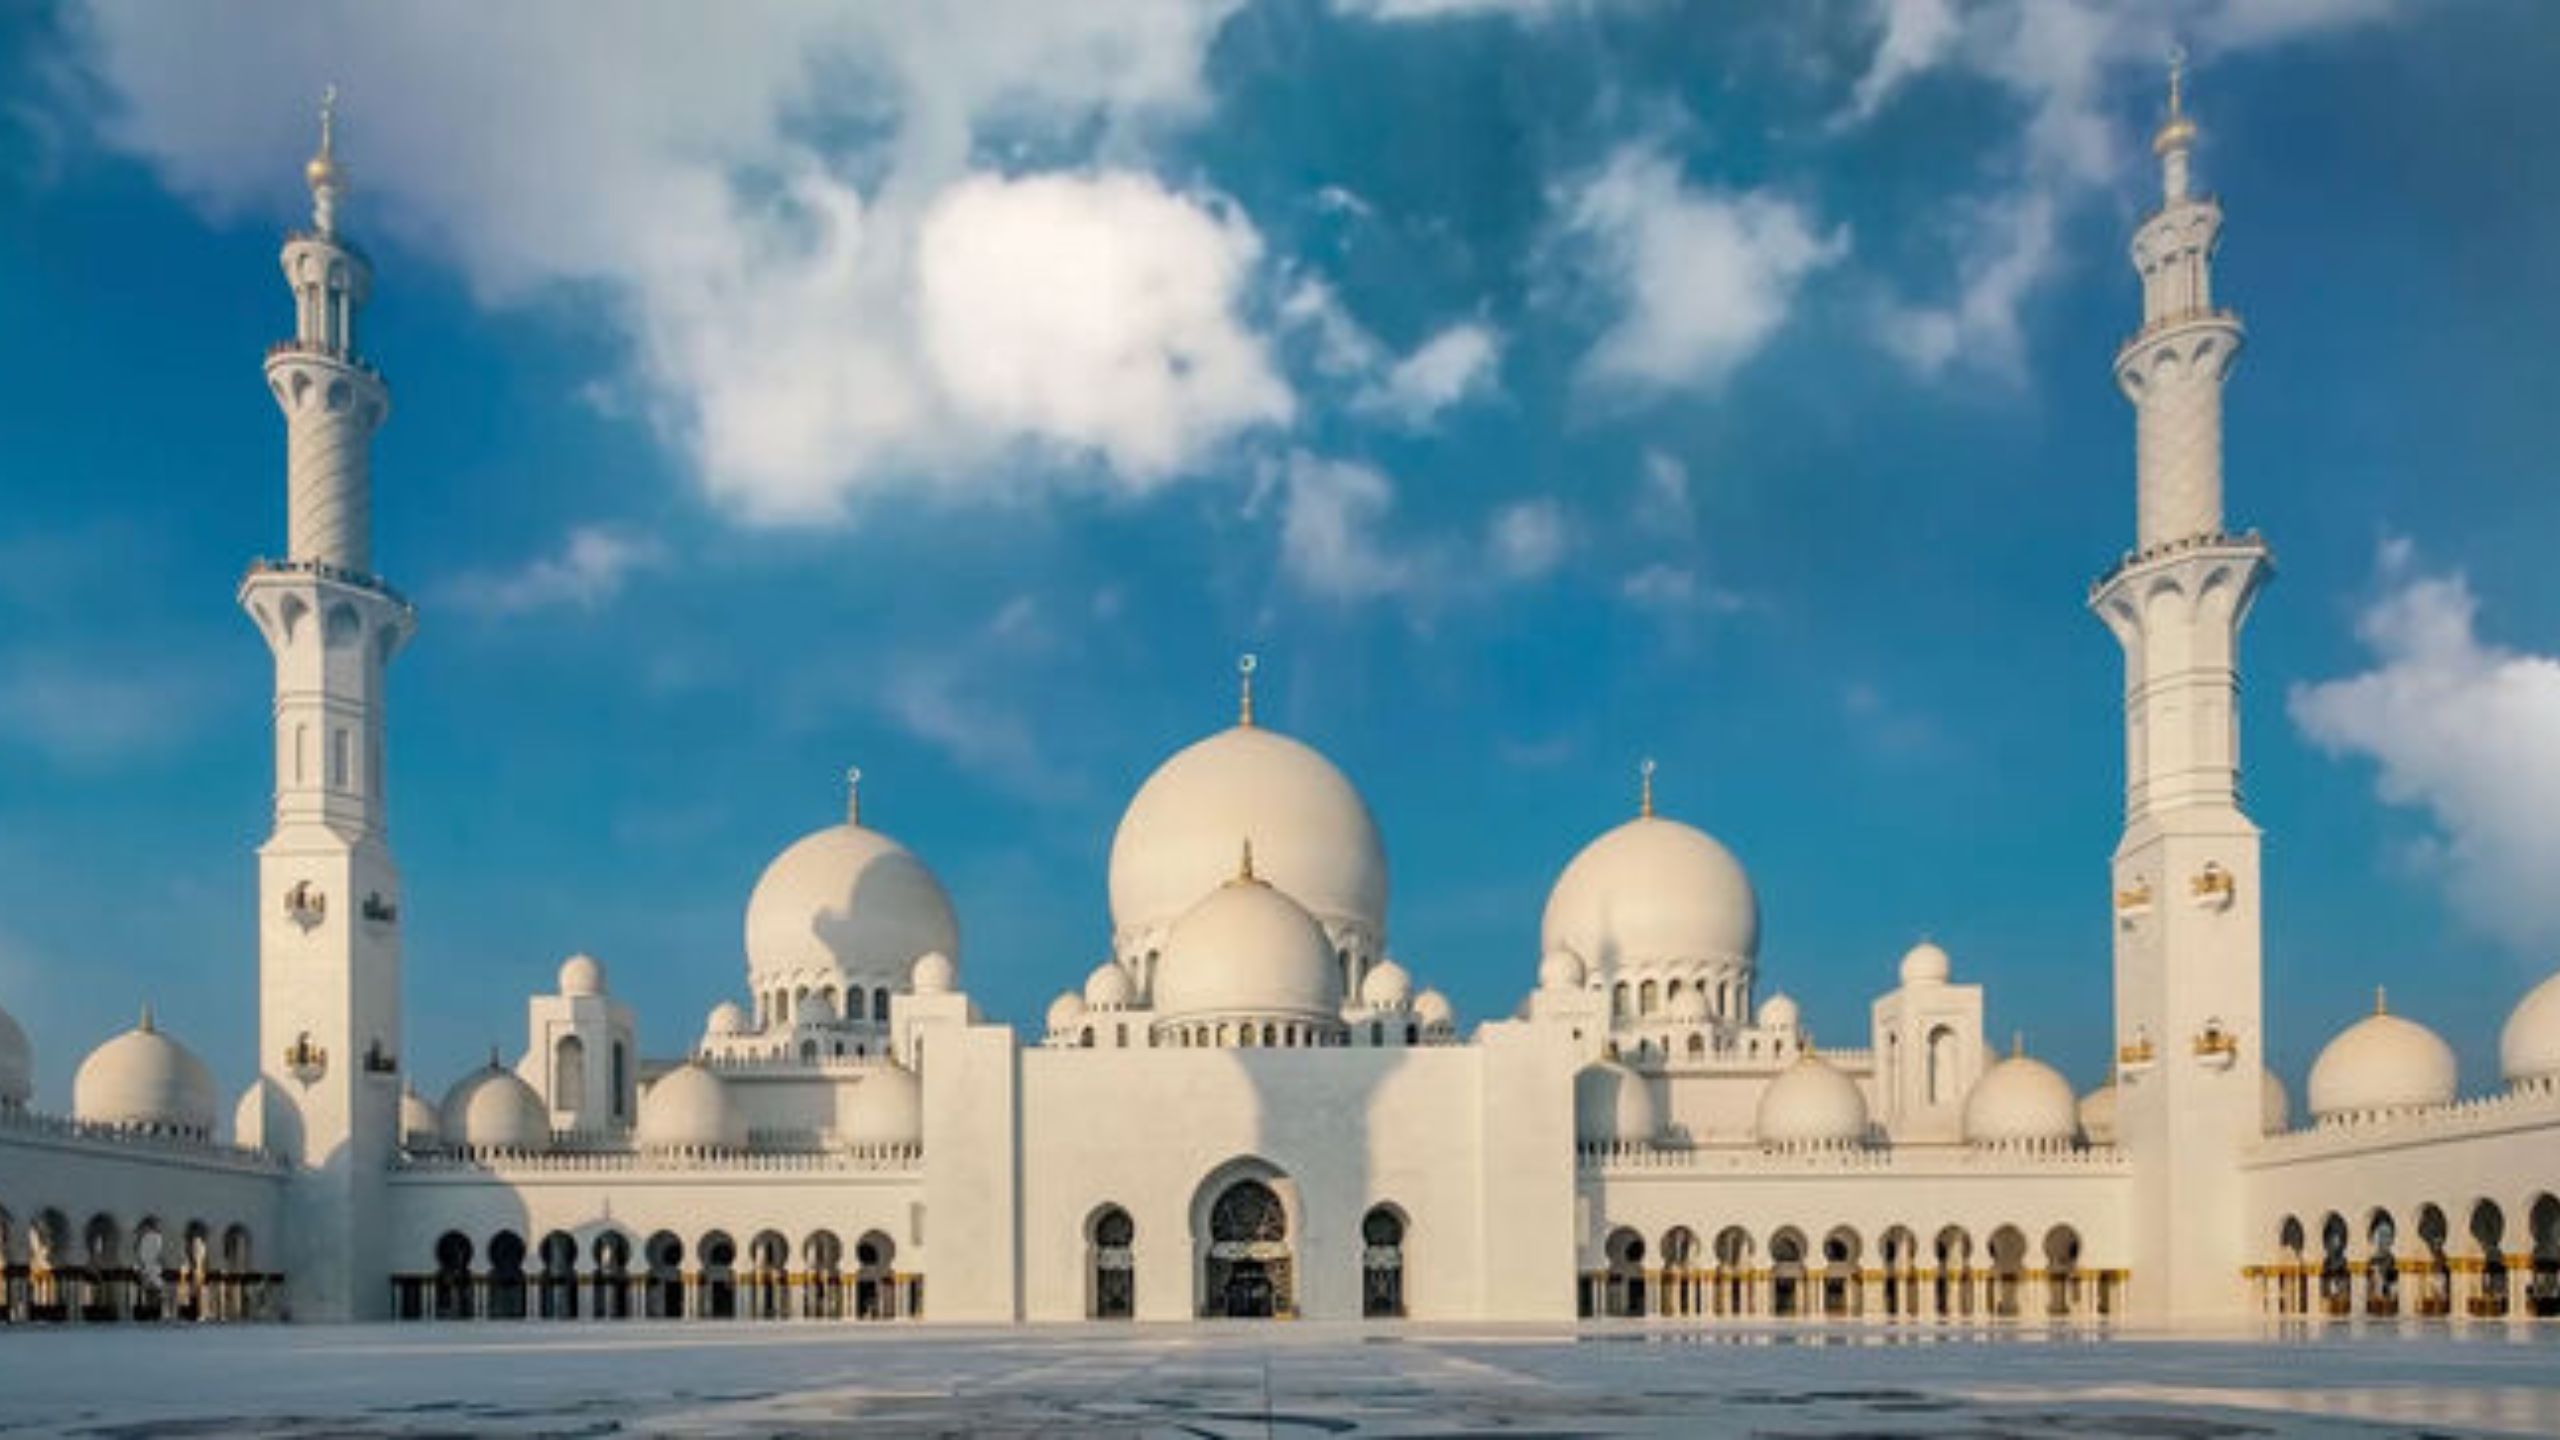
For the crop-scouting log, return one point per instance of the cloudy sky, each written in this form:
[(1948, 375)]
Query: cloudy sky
[(1536, 386)]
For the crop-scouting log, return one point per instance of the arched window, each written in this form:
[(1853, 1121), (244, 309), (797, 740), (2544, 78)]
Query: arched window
[(880, 1004), (621, 1081), (1648, 998), (569, 1074), (1942, 1065), (1382, 1264), (1112, 1239)]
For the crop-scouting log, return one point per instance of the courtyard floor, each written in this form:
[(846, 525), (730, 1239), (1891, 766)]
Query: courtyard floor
[(1271, 1380)]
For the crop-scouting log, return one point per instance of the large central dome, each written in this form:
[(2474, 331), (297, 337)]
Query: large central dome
[(1313, 838), (1653, 892)]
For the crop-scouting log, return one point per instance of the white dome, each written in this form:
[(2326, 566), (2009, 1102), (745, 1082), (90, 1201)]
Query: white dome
[(1779, 1012), (17, 1064), (582, 975), (2379, 1064), (689, 1108), (1433, 1010), (1613, 1105), (1926, 964), (934, 974), (1066, 1012), (1811, 1103), (887, 1108), (1560, 970), (845, 905), (2021, 1101), (145, 1079), (1248, 949), (1689, 1002), (2275, 1110), (1387, 986), (1108, 987), (1653, 892), (493, 1109), (1313, 838), (726, 1018), (2528, 1048), (2098, 1115), (420, 1127)]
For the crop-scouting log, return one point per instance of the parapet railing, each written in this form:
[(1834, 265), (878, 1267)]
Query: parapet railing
[(19, 1122), (873, 1159), (2534, 1103), (1746, 1159), (322, 569), (2208, 540)]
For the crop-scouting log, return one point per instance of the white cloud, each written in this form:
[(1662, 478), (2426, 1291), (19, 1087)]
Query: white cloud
[(2464, 729), (1700, 278), (86, 715), (743, 188), (1460, 362), (1097, 313), (593, 565), (1662, 506), (1660, 587), (1394, 11), (2056, 59), (1528, 539), (1330, 514)]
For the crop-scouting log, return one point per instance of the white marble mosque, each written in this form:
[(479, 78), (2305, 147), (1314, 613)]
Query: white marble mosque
[(1249, 1109)]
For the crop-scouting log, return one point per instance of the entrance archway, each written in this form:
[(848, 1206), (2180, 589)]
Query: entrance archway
[(1382, 1264), (1246, 1271), (1111, 1242)]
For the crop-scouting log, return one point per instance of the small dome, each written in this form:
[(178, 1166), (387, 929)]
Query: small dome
[(144, 1079), (2379, 1065), (2528, 1048), (689, 1108), (1108, 987), (1689, 1002), (17, 1064), (1433, 1010), (845, 905), (582, 975), (1312, 834), (887, 1108), (2021, 1101), (1387, 986), (2098, 1115), (493, 1109), (1778, 1012), (1653, 892), (2275, 1111), (726, 1018), (1811, 1103), (420, 1127), (1926, 964), (1560, 970), (1066, 1012), (1613, 1105), (1248, 949), (934, 974)]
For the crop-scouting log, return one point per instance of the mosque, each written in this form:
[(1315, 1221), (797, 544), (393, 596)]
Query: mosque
[(1250, 1110)]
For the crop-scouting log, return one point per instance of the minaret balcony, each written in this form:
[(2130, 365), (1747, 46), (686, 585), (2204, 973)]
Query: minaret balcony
[(2178, 320), (311, 350), (323, 570), (2222, 540)]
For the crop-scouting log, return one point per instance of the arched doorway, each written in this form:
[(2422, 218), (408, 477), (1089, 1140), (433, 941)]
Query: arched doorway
[(2381, 1266), (1953, 1283), (1248, 1272), (1683, 1290), (1786, 1273), (1111, 1239), (1901, 1251), (2489, 1233), (151, 1272), (2435, 1290), (2008, 1271), (453, 1276), (664, 1296), (612, 1276), (1382, 1264), (875, 1285), (1733, 1271), (822, 1255), (718, 1255), (1623, 1291), (2062, 1271), (506, 1276), (1842, 1291), (769, 1285), (2337, 1281), (2542, 1222)]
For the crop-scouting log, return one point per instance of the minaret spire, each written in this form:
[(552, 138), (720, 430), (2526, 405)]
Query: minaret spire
[(1644, 790), (2177, 133), (322, 173), (1246, 664), (853, 795)]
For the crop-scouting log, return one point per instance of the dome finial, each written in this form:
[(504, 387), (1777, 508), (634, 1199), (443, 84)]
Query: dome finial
[(1644, 780), (2177, 133), (493, 1059), (322, 174), (2017, 1044), (2381, 1001), (1244, 866), (144, 1024), (853, 794), (1246, 664)]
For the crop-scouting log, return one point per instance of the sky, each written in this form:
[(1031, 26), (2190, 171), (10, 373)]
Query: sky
[(1534, 386)]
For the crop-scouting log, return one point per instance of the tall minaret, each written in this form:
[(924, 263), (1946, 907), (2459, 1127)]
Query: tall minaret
[(2186, 871), (328, 893)]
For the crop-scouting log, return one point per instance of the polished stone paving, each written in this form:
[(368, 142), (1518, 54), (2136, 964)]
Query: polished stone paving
[(1301, 1380)]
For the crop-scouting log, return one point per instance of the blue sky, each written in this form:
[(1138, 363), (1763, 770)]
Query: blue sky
[(1536, 386)]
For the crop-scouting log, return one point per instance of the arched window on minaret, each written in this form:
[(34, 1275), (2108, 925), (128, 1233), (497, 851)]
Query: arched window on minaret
[(569, 1074)]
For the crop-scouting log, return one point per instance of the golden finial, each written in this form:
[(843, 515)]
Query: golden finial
[(2017, 1044), (1644, 782), (323, 169), (1244, 866), (144, 1025), (2177, 132), (2381, 1002), (1246, 664), (853, 794), (493, 1059)]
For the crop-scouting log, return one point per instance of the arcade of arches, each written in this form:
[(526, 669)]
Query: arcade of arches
[(610, 1275), (102, 1271), (1794, 1273), (2474, 1260)]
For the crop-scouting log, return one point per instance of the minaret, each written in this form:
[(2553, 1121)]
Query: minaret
[(328, 893), (2187, 998)]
